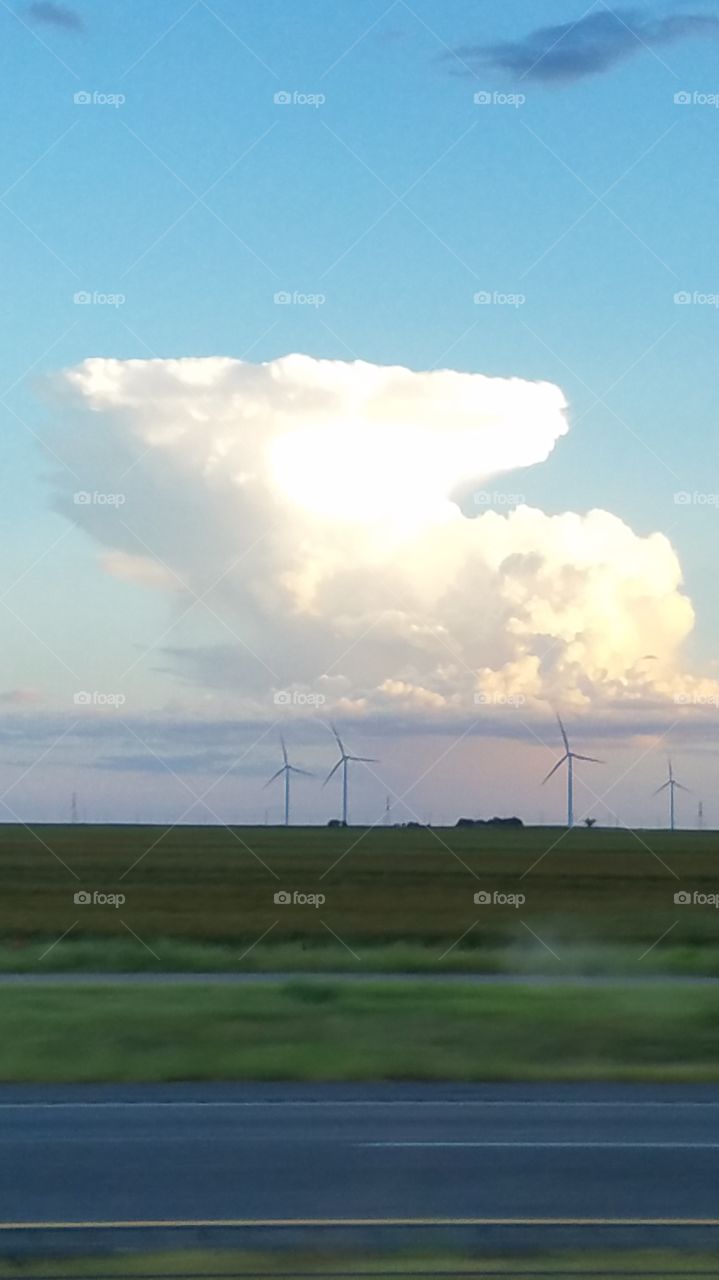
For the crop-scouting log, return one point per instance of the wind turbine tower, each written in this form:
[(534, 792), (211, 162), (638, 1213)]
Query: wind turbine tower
[(285, 771), (343, 764), (569, 757), (671, 785)]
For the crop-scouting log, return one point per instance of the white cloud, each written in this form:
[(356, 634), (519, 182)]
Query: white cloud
[(311, 503), (141, 570)]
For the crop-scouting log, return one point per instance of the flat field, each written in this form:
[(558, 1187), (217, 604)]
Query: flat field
[(394, 899)]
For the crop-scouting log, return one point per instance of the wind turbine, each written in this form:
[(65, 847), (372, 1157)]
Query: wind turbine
[(672, 784), (342, 764), (570, 756), (286, 769)]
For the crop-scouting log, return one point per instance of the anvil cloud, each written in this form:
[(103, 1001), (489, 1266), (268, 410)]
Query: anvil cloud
[(311, 504)]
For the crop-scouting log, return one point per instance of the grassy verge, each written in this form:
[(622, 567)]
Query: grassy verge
[(364, 1031), (192, 1265), (524, 957)]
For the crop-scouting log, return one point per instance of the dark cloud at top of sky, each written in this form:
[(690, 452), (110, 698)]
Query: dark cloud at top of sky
[(48, 14), (589, 46)]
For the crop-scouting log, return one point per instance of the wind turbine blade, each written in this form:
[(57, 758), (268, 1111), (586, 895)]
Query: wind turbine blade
[(339, 740), (563, 731), (591, 759), (332, 772), (305, 772), (662, 788), (671, 772), (554, 770), (284, 750), (364, 759), (274, 777), (679, 786)]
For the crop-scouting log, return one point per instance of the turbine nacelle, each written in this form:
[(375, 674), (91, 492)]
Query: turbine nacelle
[(671, 782)]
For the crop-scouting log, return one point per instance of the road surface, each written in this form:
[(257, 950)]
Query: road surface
[(254, 1158)]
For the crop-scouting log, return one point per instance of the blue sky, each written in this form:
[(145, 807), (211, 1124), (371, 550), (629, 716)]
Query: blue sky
[(396, 199)]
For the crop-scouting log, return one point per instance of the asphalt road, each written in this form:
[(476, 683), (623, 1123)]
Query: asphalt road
[(241, 1156)]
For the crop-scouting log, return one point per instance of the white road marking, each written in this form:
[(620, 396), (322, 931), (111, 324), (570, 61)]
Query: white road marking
[(165, 1223), (610, 1146), (346, 1103)]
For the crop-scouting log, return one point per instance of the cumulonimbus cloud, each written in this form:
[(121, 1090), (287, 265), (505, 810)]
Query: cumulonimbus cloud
[(310, 504), (593, 44)]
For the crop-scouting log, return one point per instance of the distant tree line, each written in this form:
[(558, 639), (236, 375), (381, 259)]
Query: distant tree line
[(461, 822), (489, 822)]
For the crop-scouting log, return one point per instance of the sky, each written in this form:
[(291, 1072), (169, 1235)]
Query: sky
[(358, 369)]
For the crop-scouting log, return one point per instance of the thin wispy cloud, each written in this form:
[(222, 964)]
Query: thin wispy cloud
[(590, 46), (45, 13)]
